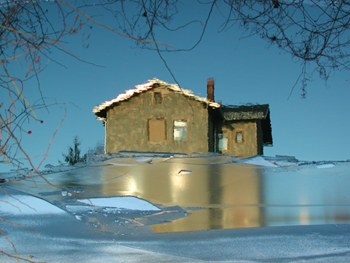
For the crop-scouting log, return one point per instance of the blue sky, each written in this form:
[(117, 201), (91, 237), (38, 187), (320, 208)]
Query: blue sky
[(246, 70)]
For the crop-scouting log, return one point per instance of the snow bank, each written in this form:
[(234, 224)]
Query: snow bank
[(132, 159), (258, 160), (26, 205), (127, 202), (325, 165)]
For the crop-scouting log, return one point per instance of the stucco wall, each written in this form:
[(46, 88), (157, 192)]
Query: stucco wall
[(127, 123), (249, 146)]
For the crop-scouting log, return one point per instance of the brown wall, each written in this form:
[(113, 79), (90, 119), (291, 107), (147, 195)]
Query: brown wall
[(127, 125), (249, 146)]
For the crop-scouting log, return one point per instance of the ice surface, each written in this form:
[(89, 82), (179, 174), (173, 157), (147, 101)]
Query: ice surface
[(127, 202), (66, 238), (258, 160), (183, 172), (26, 205), (78, 208), (326, 165)]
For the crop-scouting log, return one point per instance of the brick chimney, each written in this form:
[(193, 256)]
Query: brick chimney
[(210, 89)]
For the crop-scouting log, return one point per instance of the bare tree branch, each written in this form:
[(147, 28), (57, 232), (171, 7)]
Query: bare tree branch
[(315, 32)]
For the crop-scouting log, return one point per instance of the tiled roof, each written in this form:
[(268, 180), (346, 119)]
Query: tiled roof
[(246, 112), (100, 110)]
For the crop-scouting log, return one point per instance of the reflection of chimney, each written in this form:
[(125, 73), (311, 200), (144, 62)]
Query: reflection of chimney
[(210, 89)]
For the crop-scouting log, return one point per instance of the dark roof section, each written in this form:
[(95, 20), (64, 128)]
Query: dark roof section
[(251, 112), (245, 112)]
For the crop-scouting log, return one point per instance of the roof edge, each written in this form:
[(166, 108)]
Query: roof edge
[(140, 88)]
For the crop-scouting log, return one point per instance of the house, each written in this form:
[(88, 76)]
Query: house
[(245, 130), (160, 117)]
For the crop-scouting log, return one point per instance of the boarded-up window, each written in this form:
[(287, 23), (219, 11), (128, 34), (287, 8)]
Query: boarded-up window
[(156, 130), (180, 130)]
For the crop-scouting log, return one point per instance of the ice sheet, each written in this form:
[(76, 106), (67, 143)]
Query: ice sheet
[(127, 202), (26, 205)]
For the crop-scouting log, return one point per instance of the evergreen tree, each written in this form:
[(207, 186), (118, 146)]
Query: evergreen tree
[(73, 155)]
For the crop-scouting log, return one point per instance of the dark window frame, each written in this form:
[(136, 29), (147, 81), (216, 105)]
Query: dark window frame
[(223, 141), (181, 130), (157, 98), (237, 133)]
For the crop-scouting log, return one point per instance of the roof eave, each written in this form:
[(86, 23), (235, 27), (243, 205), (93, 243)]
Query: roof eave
[(103, 107)]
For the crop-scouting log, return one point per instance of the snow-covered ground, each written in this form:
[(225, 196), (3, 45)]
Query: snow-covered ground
[(59, 224)]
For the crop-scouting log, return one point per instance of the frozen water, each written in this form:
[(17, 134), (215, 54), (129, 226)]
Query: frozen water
[(222, 194), (26, 205), (258, 160), (326, 165), (251, 192), (131, 203), (183, 172)]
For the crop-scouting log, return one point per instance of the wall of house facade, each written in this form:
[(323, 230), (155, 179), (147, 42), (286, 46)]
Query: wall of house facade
[(146, 122), (243, 138)]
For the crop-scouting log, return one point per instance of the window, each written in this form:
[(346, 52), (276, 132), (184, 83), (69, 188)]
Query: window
[(223, 142), (180, 130), (156, 130), (157, 98), (239, 138)]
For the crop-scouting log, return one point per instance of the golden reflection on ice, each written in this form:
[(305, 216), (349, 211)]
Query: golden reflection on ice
[(224, 196), (215, 192), (304, 217), (219, 194), (229, 198)]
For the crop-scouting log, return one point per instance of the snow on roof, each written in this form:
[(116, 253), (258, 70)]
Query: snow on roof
[(100, 109)]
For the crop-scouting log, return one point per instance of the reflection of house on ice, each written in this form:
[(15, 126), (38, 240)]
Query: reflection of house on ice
[(220, 194), (162, 117), (228, 196)]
